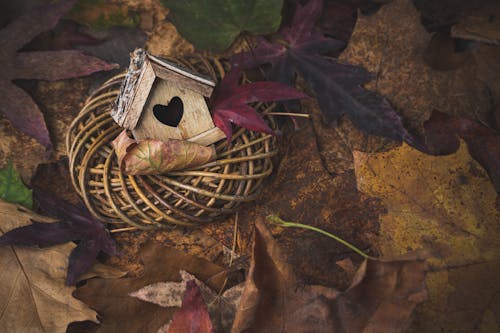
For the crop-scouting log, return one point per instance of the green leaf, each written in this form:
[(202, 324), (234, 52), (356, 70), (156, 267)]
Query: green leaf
[(12, 188), (213, 25)]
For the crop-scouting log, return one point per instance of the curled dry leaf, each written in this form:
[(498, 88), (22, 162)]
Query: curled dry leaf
[(150, 157), (381, 297), (33, 297)]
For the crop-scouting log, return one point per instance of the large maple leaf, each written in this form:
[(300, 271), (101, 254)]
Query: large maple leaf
[(300, 49), (17, 105), (228, 102), (76, 223)]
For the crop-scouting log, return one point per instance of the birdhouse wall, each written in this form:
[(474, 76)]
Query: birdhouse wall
[(195, 119)]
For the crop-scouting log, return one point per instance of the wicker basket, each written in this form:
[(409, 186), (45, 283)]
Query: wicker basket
[(187, 197)]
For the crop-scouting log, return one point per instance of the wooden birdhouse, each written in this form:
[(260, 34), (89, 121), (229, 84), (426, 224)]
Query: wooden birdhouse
[(160, 100)]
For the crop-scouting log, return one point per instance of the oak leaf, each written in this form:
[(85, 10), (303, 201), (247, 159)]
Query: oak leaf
[(447, 205), (381, 297), (33, 297), (151, 157), (17, 105)]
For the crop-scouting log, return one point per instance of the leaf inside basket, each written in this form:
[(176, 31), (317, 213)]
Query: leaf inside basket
[(149, 157)]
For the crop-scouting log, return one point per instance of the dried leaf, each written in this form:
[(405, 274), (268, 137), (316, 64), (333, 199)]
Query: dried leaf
[(447, 205), (12, 188), (338, 86), (150, 157), (76, 224), (17, 105), (193, 315), (33, 297), (122, 313), (229, 102), (381, 298), (214, 25), (168, 294)]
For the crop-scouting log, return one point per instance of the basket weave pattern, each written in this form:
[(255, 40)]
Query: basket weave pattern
[(187, 197)]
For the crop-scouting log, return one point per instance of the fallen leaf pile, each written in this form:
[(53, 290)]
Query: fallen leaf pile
[(33, 297), (409, 174), (76, 223)]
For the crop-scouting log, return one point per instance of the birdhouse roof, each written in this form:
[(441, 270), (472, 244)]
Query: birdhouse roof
[(136, 87)]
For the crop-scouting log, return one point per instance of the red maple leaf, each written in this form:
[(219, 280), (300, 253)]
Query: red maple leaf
[(228, 102)]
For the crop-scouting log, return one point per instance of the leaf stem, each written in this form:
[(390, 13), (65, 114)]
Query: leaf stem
[(278, 221), (291, 114)]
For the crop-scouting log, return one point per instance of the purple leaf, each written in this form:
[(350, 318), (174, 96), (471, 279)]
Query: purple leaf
[(57, 65), (23, 113), (81, 259), (17, 105), (39, 234), (338, 87), (76, 224)]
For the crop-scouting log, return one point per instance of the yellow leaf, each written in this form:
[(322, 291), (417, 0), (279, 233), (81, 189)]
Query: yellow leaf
[(33, 296), (445, 204)]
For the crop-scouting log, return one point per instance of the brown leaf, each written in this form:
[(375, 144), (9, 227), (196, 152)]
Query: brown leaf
[(33, 296), (381, 298), (123, 313), (149, 157), (448, 205)]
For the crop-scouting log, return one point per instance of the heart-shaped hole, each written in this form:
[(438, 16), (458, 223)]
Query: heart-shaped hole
[(170, 114)]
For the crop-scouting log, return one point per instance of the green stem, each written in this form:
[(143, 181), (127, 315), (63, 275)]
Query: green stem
[(278, 221)]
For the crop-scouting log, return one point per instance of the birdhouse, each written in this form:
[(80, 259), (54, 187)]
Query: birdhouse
[(161, 100)]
